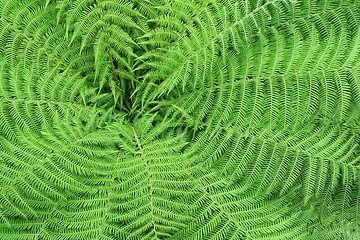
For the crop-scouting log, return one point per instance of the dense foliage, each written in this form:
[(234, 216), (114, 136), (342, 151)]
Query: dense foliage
[(179, 119)]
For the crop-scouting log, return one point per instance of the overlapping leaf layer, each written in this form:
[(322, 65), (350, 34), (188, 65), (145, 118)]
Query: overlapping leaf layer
[(181, 119)]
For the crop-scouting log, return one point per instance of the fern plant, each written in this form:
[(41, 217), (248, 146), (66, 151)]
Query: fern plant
[(181, 119)]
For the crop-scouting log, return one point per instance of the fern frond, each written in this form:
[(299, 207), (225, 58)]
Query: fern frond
[(179, 119)]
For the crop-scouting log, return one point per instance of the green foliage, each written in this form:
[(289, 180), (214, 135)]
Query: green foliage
[(181, 119)]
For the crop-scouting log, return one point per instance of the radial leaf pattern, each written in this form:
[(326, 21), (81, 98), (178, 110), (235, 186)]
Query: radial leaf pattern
[(139, 119)]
